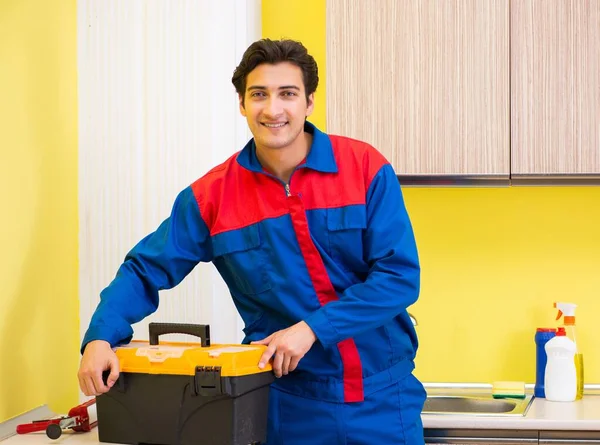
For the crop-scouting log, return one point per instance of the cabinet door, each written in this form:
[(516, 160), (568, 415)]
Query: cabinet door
[(425, 82), (569, 437), (555, 87), (480, 436)]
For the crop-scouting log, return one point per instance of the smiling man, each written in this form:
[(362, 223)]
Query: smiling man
[(311, 235)]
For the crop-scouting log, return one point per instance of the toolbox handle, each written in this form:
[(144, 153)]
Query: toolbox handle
[(198, 330)]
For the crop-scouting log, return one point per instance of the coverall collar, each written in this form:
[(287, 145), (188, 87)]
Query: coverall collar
[(320, 157)]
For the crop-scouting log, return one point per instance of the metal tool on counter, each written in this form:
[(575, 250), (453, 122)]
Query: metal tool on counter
[(81, 418)]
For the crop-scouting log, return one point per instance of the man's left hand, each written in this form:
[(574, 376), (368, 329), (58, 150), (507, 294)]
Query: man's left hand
[(288, 345)]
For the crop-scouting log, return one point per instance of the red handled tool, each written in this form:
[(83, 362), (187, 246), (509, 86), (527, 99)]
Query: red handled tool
[(81, 418)]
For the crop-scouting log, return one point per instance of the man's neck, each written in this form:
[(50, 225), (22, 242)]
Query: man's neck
[(281, 162)]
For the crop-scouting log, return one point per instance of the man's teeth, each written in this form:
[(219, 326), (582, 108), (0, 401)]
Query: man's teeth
[(274, 125)]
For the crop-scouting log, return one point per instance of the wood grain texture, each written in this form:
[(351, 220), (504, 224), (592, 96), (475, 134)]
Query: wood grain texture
[(555, 86), (425, 82)]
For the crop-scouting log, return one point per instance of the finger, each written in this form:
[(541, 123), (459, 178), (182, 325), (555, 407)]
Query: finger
[(114, 373), (264, 341), (86, 384), (285, 367), (89, 382), (294, 364), (277, 363), (264, 359), (83, 386), (101, 388)]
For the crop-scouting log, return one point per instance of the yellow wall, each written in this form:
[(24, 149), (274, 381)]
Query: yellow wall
[(39, 332), (302, 20), (494, 260)]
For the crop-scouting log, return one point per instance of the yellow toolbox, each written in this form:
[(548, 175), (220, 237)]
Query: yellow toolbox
[(172, 393)]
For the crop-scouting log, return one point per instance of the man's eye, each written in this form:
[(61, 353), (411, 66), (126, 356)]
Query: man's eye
[(289, 93), (257, 94)]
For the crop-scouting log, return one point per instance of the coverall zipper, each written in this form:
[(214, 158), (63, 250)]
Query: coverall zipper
[(286, 185)]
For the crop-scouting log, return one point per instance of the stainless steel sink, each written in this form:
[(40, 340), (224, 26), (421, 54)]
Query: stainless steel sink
[(477, 405)]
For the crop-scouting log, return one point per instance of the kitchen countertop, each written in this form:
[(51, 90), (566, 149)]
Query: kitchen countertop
[(582, 415)]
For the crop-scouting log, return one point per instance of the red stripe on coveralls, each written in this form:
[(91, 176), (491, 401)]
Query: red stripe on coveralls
[(353, 381)]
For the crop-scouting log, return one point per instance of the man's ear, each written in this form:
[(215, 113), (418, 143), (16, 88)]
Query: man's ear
[(310, 105), (242, 109)]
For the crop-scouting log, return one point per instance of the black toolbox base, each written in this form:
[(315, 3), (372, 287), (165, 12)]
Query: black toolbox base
[(144, 409)]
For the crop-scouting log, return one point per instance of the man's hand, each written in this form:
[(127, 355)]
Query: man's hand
[(97, 357), (289, 346)]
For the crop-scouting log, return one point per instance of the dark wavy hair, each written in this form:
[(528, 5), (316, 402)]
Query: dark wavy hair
[(272, 52)]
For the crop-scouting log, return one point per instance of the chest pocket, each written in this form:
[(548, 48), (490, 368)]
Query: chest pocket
[(241, 259), (345, 228)]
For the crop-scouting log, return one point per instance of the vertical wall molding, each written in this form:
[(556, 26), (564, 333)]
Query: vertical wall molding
[(157, 110)]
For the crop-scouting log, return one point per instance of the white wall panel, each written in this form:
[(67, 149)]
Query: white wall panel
[(157, 110)]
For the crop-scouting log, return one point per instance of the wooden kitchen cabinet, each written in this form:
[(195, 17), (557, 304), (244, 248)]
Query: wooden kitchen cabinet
[(555, 87), (425, 82)]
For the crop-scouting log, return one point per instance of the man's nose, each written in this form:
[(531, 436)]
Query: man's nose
[(274, 108)]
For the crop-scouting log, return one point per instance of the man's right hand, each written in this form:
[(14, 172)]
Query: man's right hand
[(98, 357)]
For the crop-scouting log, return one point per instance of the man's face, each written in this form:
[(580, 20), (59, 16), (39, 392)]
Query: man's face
[(275, 104)]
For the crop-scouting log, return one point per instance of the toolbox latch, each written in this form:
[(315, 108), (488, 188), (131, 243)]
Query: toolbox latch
[(208, 381)]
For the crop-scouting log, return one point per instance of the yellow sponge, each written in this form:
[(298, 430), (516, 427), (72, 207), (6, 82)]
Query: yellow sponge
[(508, 390)]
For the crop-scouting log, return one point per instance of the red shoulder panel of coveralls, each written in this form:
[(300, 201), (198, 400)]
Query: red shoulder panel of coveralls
[(226, 187)]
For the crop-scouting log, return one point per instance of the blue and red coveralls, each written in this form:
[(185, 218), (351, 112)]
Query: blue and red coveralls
[(334, 248)]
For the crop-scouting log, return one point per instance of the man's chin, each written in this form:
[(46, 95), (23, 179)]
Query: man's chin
[(274, 143)]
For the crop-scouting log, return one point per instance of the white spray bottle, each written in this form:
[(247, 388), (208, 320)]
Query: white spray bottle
[(560, 378), (568, 310)]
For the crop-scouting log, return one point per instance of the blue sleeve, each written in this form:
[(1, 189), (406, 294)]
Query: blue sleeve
[(393, 281), (159, 261)]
